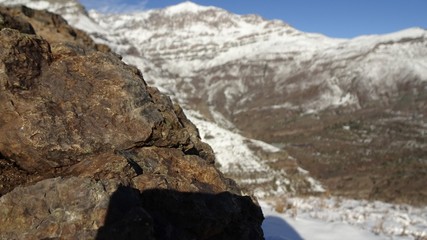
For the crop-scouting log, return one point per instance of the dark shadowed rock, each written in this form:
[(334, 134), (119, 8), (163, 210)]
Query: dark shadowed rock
[(87, 149)]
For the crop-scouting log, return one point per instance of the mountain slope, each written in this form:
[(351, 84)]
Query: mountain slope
[(258, 167), (243, 65)]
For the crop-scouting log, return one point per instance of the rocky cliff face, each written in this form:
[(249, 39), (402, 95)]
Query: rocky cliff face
[(89, 150)]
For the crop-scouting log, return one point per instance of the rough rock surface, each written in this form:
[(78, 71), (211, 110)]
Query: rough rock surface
[(88, 150)]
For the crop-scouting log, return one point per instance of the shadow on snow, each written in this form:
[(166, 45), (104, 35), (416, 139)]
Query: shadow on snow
[(276, 228)]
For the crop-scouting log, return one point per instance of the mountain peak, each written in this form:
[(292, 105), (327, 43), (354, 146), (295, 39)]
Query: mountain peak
[(186, 6)]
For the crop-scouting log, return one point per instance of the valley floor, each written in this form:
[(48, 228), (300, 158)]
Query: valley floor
[(317, 218)]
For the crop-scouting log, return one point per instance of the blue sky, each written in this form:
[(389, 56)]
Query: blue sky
[(334, 18)]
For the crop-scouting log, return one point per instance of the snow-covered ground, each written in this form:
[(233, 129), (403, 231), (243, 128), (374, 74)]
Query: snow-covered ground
[(227, 145), (278, 226), (338, 218)]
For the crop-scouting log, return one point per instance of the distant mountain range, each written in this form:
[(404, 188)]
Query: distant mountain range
[(353, 112)]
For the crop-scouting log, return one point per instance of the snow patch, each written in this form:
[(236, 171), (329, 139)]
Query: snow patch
[(185, 7), (230, 148), (340, 218)]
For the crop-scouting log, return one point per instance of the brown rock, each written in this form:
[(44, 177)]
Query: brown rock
[(71, 208), (88, 150), (51, 26)]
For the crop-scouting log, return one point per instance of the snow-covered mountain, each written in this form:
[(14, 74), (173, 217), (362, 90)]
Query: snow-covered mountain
[(245, 64), (236, 64), (352, 111)]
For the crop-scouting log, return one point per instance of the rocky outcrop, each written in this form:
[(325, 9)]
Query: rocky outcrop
[(88, 150)]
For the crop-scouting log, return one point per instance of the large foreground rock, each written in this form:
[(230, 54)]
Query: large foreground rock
[(88, 150)]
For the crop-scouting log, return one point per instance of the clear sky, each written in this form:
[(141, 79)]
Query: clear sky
[(334, 18)]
